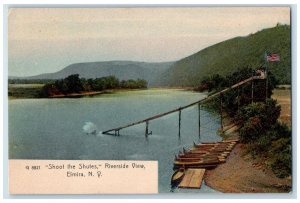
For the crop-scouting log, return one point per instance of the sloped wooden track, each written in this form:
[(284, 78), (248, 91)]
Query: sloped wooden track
[(116, 131)]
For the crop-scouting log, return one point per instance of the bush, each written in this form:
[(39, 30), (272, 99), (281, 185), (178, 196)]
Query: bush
[(251, 130), (266, 136), (263, 143), (280, 130), (257, 119), (281, 153)]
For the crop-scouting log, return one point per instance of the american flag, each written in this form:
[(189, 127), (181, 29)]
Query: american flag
[(273, 57)]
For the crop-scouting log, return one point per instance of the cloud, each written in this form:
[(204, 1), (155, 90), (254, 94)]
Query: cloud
[(72, 23), (145, 34)]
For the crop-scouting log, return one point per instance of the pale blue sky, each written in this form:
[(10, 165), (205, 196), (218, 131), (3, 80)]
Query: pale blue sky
[(47, 40)]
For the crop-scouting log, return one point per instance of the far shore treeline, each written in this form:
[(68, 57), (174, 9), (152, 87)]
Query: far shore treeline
[(74, 84)]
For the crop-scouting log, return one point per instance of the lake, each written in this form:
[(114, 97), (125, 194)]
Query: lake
[(54, 128)]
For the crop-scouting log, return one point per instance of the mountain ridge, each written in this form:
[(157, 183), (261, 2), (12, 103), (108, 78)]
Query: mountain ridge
[(123, 70), (233, 54), (223, 58)]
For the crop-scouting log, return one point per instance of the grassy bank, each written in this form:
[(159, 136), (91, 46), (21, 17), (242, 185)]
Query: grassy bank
[(30, 91), (283, 97), (23, 91)]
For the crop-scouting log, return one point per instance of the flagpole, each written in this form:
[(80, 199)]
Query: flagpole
[(266, 73)]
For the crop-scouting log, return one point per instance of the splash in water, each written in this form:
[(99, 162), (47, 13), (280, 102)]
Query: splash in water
[(90, 128), (100, 134)]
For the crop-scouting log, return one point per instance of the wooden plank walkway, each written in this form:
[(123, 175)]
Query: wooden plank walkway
[(192, 178)]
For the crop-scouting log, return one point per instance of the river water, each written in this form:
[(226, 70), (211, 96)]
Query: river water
[(54, 128)]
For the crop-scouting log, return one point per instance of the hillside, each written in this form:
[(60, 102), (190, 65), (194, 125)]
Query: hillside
[(228, 56), (222, 58), (123, 70)]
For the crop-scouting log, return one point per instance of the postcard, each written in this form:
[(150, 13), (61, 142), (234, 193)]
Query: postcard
[(149, 100)]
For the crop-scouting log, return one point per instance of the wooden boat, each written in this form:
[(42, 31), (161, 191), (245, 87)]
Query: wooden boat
[(199, 164), (209, 149), (204, 146), (195, 151), (223, 141), (197, 159), (216, 149), (195, 155), (208, 166), (177, 177), (231, 140), (189, 156), (201, 155), (209, 145), (204, 160)]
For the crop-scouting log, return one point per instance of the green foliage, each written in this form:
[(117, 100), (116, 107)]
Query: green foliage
[(241, 96), (259, 128), (281, 153), (21, 92), (74, 84), (230, 55), (133, 84), (49, 90), (256, 119), (209, 83), (263, 143), (266, 136), (71, 84), (251, 130), (29, 81), (279, 130)]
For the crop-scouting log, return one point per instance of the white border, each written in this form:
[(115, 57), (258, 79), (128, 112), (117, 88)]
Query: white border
[(155, 3)]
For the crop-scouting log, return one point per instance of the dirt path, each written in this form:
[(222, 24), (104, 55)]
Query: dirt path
[(283, 97), (243, 175)]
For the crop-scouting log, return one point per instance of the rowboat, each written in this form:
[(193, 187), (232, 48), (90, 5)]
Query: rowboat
[(198, 164), (201, 155), (215, 151), (177, 177), (216, 144), (207, 166), (198, 159)]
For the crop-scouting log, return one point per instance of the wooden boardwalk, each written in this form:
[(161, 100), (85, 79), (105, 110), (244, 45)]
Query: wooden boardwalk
[(192, 178)]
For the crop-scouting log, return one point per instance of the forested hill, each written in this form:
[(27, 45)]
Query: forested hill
[(228, 56), (123, 70)]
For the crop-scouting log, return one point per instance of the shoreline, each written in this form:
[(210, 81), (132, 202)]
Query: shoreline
[(93, 93), (76, 94), (243, 174)]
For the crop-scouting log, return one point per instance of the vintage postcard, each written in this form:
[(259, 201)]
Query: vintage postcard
[(149, 100)]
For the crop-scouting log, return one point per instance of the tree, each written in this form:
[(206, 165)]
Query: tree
[(73, 83)]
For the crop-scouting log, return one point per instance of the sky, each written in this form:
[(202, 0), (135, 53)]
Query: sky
[(45, 40)]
